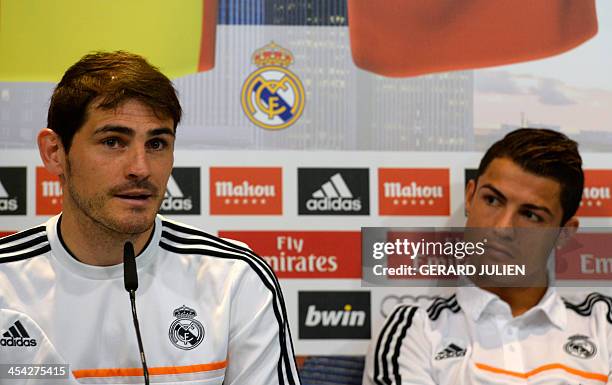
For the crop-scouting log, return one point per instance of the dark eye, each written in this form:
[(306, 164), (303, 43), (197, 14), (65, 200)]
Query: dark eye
[(532, 217), (111, 142), (157, 144), (491, 200)]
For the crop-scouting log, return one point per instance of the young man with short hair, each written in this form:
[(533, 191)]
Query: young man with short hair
[(530, 182), (211, 311)]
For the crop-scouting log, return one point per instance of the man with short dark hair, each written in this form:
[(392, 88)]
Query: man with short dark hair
[(496, 331), (211, 311)]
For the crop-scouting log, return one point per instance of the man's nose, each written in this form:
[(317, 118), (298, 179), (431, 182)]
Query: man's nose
[(137, 166), (505, 224)]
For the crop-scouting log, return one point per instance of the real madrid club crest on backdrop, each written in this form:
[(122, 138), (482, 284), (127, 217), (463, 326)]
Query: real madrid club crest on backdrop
[(272, 96), (185, 332)]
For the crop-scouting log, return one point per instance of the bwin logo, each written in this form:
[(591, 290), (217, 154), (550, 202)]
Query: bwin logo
[(6, 202), (333, 195), (334, 318), (174, 199)]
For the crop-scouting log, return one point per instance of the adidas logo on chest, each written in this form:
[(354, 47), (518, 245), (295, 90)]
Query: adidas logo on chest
[(451, 351)]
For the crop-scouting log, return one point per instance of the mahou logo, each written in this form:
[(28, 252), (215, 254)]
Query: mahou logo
[(246, 191), (48, 193), (597, 194), (413, 191), (306, 254)]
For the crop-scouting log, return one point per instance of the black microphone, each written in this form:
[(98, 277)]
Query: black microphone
[(130, 280), (130, 275)]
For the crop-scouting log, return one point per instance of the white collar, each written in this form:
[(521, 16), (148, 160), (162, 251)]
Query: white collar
[(65, 258), (476, 302)]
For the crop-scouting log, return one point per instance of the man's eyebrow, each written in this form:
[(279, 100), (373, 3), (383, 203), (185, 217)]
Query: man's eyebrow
[(495, 191), (161, 131), (130, 132), (116, 129), (528, 206)]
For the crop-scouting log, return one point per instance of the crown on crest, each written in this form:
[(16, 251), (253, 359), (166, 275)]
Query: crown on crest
[(272, 55), (184, 312), (578, 337)]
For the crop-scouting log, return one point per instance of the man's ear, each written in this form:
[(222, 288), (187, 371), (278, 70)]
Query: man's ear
[(567, 231), (470, 189), (51, 151)]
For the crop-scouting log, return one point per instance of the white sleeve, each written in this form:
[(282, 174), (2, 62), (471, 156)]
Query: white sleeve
[(17, 330), (260, 350), (401, 353)]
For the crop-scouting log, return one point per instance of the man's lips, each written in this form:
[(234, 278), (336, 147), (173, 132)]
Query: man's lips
[(499, 250), (135, 195)]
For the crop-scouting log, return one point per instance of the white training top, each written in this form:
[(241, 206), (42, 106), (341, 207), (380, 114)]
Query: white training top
[(472, 338), (210, 310)]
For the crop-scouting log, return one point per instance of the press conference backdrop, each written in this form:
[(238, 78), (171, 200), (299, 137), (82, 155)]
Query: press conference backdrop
[(257, 165)]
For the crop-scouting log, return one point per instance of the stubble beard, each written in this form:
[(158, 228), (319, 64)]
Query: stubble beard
[(93, 209)]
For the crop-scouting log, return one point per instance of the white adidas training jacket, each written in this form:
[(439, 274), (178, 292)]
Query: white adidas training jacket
[(472, 338), (210, 311)]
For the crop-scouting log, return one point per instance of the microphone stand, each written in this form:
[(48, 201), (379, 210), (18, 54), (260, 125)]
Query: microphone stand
[(130, 280)]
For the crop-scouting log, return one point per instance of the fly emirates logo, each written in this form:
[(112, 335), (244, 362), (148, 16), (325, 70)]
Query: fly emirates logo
[(586, 256), (411, 191), (290, 258), (246, 191), (306, 254)]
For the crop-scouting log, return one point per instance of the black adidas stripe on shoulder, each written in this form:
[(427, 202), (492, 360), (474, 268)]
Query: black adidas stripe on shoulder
[(22, 234), (386, 369), (23, 245), (440, 304), (585, 308), (217, 247)]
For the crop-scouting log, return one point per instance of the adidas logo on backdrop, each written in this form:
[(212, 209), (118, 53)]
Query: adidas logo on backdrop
[(13, 191), (182, 192), (324, 191)]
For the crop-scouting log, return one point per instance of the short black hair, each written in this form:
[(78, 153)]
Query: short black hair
[(109, 79), (545, 153)]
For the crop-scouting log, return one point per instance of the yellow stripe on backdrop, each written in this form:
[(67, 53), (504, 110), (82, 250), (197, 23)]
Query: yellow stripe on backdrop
[(40, 39)]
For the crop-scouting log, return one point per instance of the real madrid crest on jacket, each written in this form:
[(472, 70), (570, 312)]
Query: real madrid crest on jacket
[(472, 338), (210, 310), (272, 96), (186, 332)]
